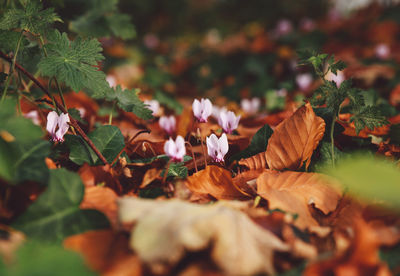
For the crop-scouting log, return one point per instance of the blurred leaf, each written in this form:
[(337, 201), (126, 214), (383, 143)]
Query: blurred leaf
[(169, 101), (56, 214), (274, 101), (103, 19), (258, 143), (165, 230), (38, 259), (369, 117), (107, 139), (369, 178)]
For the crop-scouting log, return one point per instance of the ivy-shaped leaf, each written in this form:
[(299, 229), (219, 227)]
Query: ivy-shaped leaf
[(107, 139), (74, 63), (56, 214)]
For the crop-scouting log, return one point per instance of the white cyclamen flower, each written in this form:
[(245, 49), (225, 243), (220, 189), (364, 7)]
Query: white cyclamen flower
[(304, 81), (228, 121), (217, 148), (175, 149), (57, 125), (153, 105), (250, 106), (168, 124), (202, 109)]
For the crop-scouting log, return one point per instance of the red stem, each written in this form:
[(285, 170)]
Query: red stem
[(73, 122)]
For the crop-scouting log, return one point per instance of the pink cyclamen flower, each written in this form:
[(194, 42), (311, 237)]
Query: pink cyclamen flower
[(382, 51), (338, 78), (217, 148), (304, 81), (202, 109), (168, 124), (228, 121), (283, 27), (175, 149), (57, 125), (307, 24), (250, 106), (153, 105)]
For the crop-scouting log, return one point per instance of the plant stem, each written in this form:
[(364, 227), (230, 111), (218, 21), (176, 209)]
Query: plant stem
[(10, 73), (110, 117), (194, 160), (332, 140), (202, 146), (74, 123), (166, 172)]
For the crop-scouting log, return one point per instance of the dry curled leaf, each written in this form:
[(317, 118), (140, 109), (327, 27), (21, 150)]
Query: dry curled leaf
[(217, 182), (255, 162), (165, 229), (293, 192), (295, 139)]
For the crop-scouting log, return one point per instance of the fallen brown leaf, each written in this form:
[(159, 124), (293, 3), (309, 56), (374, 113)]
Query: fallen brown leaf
[(294, 192), (217, 182), (165, 229), (102, 199), (255, 162), (295, 139)]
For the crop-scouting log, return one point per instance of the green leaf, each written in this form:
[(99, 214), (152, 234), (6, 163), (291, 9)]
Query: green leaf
[(169, 101), (30, 18), (56, 214), (74, 63), (258, 144), (176, 169), (368, 117), (130, 102), (22, 151), (107, 139), (369, 178), (38, 259), (274, 101), (103, 19)]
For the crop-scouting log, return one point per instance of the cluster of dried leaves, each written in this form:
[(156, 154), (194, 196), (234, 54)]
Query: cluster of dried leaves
[(268, 217)]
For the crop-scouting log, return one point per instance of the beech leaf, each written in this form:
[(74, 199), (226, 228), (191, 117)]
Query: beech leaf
[(294, 191), (295, 139), (165, 229), (215, 181)]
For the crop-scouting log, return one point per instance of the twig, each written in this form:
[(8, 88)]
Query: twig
[(73, 122), (194, 160)]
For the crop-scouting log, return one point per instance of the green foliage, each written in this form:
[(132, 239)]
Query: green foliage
[(22, 151), (128, 100), (9, 41), (258, 143), (56, 213), (328, 93), (169, 101), (102, 19), (74, 62), (30, 18), (274, 101), (369, 178), (38, 259), (368, 117), (107, 139), (176, 169)]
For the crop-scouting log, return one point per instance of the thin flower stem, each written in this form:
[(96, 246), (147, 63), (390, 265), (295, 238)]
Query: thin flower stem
[(202, 146), (166, 172), (110, 117), (332, 140), (11, 72), (194, 159), (73, 122)]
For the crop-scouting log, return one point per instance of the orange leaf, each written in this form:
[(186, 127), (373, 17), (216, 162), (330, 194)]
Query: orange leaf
[(255, 162), (216, 182), (295, 139), (106, 252), (293, 192), (102, 199)]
